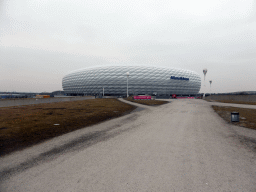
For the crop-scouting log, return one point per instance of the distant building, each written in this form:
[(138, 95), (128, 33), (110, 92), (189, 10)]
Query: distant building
[(58, 93), (141, 80), (12, 96), (46, 93)]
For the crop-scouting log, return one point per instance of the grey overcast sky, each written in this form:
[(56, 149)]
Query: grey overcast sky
[(43, 40)]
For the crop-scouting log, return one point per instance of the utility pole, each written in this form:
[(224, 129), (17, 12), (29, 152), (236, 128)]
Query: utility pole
[(127, 83)]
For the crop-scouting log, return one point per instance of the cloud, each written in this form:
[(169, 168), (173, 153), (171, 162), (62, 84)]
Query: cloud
[(64, 35)]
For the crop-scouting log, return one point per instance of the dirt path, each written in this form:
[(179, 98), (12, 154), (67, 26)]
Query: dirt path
[(180, 146), (233, 105)]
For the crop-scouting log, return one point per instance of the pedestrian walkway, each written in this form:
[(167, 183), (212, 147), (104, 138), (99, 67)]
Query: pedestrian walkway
[(220, 104), (180, 146), (232, 105)]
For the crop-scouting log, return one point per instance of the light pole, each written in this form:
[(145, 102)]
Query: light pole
[(210, 86), (127, 83), (103, 91)]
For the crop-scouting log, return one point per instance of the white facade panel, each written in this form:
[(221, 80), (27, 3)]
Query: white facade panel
[(142, 80)]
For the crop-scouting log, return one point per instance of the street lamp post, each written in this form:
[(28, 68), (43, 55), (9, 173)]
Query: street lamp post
[(210, 86), (103, 91), (127, 83)]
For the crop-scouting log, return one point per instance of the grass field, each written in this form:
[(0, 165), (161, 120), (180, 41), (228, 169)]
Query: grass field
[(247, 116), (147, 102), (23, 126)]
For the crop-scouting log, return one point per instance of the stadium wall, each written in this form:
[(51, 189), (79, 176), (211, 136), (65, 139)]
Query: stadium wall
[(141, 80)]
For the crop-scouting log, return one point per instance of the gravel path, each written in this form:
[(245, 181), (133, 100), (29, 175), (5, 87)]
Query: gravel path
[(180, 146), (233, 105)]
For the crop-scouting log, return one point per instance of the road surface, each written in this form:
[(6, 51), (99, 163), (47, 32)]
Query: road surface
[(180, 146), (232, 105)]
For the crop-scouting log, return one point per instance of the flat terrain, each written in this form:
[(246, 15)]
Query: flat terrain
[(23, 126), (247, 116), (33, 101), (147, 102), (246, 111), (231, 101), (180, 146)]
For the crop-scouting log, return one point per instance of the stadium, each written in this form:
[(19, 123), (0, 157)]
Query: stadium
[(141, 80)]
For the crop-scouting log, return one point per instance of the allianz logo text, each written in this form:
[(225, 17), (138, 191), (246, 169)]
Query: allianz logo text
[(180, 78)]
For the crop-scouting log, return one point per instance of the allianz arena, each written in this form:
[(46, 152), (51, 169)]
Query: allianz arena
[(142, 80)]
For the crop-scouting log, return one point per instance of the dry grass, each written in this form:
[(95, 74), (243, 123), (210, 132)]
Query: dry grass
[(147, 102), (247, 116), (15, 99), (23, 126), (231, 101)]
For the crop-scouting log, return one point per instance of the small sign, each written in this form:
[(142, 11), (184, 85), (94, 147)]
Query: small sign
[(141, 97), (179, 78)]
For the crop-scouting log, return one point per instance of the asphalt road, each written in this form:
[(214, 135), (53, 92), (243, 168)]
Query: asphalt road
[(181, 146)]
